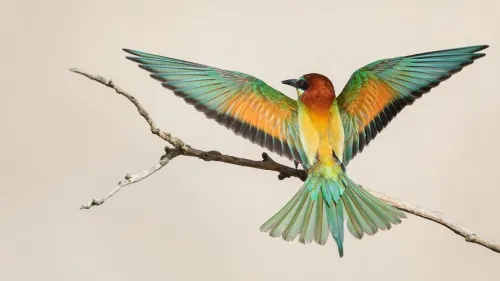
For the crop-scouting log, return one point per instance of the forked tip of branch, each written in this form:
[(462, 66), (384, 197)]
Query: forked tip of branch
[(91, 204)]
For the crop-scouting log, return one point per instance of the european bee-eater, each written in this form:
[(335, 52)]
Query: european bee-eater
[(319, 130)]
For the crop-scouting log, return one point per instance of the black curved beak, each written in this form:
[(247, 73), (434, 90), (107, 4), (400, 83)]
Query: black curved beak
[(291, 82)]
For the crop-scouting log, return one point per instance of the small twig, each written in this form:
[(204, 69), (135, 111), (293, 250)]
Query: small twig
[(130, 179), (266, 164)]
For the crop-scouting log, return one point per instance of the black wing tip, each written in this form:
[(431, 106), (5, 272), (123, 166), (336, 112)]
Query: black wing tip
[(482, 47), (473, 49), (130, 51), (147, 68), (134, 59), (136, 56), (478, 56), (136, 53), (155, 77)]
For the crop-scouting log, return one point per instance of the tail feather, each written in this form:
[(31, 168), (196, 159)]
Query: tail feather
[(358, 222), (322, 205), (321, 229), (306, 226), (369, 212), (385, 212), (282, 219), (336, 224), (292, 230)]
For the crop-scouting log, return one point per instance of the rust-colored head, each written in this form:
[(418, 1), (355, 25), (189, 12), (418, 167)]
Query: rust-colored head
[(313, 88), (312, 82)]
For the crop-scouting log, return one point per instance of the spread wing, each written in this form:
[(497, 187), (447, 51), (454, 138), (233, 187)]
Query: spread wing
[(376, 93), (240, 102)]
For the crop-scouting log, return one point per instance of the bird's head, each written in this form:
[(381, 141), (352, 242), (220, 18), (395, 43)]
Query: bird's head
[(311, 82)]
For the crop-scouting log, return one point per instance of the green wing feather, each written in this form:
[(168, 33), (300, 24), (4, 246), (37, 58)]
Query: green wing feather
[(376, 93), (240, 102)]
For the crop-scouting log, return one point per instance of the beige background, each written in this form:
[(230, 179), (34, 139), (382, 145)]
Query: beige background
[(66, 140)]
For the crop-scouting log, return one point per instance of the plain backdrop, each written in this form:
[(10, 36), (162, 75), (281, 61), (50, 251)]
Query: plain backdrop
[(66, 139)]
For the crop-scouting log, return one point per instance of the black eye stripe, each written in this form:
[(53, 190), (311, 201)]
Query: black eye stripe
[(302, 84)]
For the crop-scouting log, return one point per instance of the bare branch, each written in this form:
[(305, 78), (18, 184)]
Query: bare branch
[(266, 164), (130, 179), (437, 217)]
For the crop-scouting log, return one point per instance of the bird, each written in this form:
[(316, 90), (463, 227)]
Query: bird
[(320, 130)]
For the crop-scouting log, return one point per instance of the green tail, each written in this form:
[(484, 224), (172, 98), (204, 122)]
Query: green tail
[(321, 206)]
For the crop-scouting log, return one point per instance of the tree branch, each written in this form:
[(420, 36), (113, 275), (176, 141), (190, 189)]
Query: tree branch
[(267, 163)]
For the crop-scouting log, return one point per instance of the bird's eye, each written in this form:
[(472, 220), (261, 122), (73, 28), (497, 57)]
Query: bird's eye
[(302, 84)]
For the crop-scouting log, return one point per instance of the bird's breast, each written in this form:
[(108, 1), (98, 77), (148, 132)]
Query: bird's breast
[(321, 132)]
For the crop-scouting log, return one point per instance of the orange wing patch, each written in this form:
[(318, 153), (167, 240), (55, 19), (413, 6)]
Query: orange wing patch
[(256, 111), (374, 96)]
